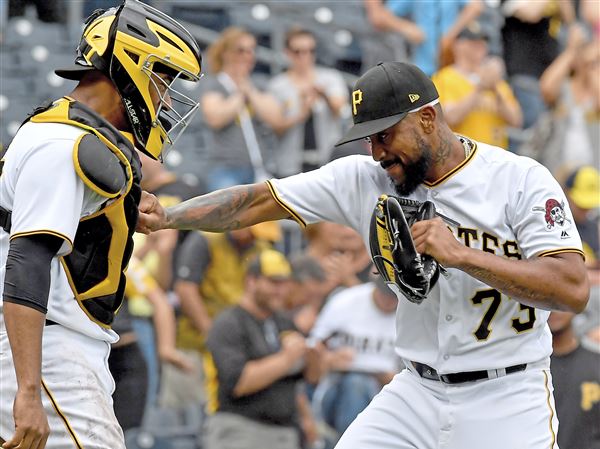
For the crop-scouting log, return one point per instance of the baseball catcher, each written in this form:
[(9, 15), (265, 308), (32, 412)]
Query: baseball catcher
[(393, 250)]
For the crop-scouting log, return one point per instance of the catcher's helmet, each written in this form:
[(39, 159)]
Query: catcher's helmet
[(132, 44)]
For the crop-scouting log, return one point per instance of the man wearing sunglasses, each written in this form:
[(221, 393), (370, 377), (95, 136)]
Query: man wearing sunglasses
[(314, 102)]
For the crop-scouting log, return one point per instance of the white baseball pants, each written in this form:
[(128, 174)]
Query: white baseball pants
[(511, 412), (76, 392)]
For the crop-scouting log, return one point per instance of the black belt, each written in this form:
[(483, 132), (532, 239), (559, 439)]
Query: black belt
[(427, 372), (5, 219)]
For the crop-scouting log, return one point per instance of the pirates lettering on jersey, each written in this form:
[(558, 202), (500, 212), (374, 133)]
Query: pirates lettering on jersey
[(555, 216), (474, 238)]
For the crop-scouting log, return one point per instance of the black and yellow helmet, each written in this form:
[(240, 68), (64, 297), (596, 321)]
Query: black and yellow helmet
[(144, 52)]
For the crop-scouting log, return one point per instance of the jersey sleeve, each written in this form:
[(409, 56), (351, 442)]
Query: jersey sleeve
[(330, 193), (542, 220), (48, 197)]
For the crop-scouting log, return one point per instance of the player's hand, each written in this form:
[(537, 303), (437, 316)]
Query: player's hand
[(31, 423), (152, 215), (434, 238)]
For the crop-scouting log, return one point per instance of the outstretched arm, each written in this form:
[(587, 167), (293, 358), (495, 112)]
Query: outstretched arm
[(223, 210)]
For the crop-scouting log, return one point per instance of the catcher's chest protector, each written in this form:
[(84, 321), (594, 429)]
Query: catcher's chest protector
[(107, 163)]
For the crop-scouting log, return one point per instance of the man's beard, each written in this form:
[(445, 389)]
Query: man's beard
[(414, 174)]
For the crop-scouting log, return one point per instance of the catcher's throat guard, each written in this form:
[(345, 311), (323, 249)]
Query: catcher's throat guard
[(393, 251)]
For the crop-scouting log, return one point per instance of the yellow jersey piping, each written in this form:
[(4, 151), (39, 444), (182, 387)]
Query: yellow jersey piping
[(548, 395), (295, 215), (62, 416), (455, 169), (552, 252)]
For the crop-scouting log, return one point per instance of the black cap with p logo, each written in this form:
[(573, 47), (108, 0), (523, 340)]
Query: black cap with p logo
[(384, 95)]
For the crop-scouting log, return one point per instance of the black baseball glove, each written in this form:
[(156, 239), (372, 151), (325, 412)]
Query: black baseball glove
[(393, 250)]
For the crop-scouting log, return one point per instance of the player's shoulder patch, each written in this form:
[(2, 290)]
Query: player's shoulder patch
[(98, 167), (555, 216)]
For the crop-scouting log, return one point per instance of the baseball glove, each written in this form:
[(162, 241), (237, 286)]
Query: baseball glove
[(393, 250)]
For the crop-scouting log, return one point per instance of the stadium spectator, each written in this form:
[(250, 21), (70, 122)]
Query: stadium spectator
[(576, 382), (440, 21), (257, 359), (476, 100), (308, 291), (126, 361), (358, 328), (393, 36), (314, 100), (590, 14), (157, 253), (235, 111), (582, 186), (530, 43), (209, 277), (570, 87), (340, 252)]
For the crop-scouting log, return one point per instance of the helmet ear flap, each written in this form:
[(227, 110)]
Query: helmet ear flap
[(136, 109)]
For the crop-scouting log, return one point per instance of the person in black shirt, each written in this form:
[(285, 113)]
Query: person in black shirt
[(576, 375), (257, 358)]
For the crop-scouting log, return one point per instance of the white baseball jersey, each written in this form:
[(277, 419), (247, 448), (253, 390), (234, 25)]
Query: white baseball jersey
[(352, 319), (508, 205), (41, 188)]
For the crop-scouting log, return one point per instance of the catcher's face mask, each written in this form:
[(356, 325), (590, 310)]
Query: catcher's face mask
[(132, 44)]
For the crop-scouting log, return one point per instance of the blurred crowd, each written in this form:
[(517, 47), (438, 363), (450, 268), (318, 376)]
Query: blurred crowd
[(280, 337)]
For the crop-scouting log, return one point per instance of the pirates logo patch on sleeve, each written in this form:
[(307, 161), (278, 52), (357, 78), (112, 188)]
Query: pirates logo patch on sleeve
[(554, 215)]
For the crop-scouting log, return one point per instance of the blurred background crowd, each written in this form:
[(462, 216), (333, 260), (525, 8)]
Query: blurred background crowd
[(276, 336)]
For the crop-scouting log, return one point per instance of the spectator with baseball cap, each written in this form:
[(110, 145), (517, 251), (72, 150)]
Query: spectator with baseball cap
[(257, 357), (209, 277), (582, 186), (476, 99)]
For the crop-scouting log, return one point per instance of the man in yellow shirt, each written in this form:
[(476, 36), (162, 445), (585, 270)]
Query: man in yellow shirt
[(476, 100)]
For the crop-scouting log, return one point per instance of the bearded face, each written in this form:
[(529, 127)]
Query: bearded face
[(416, 172)]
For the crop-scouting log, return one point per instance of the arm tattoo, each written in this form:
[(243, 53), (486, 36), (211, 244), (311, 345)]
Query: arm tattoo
[(218, 211), (510, 288)]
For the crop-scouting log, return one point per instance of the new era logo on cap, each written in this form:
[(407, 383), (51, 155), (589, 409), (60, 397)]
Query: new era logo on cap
[(384, 95)]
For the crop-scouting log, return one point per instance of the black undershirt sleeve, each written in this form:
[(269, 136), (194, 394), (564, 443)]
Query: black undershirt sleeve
[(27, 278)]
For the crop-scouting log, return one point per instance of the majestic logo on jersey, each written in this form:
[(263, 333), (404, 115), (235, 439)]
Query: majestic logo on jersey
[(356, 100), (554, 214)]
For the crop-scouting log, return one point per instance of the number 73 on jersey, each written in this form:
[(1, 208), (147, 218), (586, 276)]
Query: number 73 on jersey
[(489, 300)]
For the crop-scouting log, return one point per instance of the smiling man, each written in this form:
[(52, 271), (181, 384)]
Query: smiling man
[(477, 348)]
